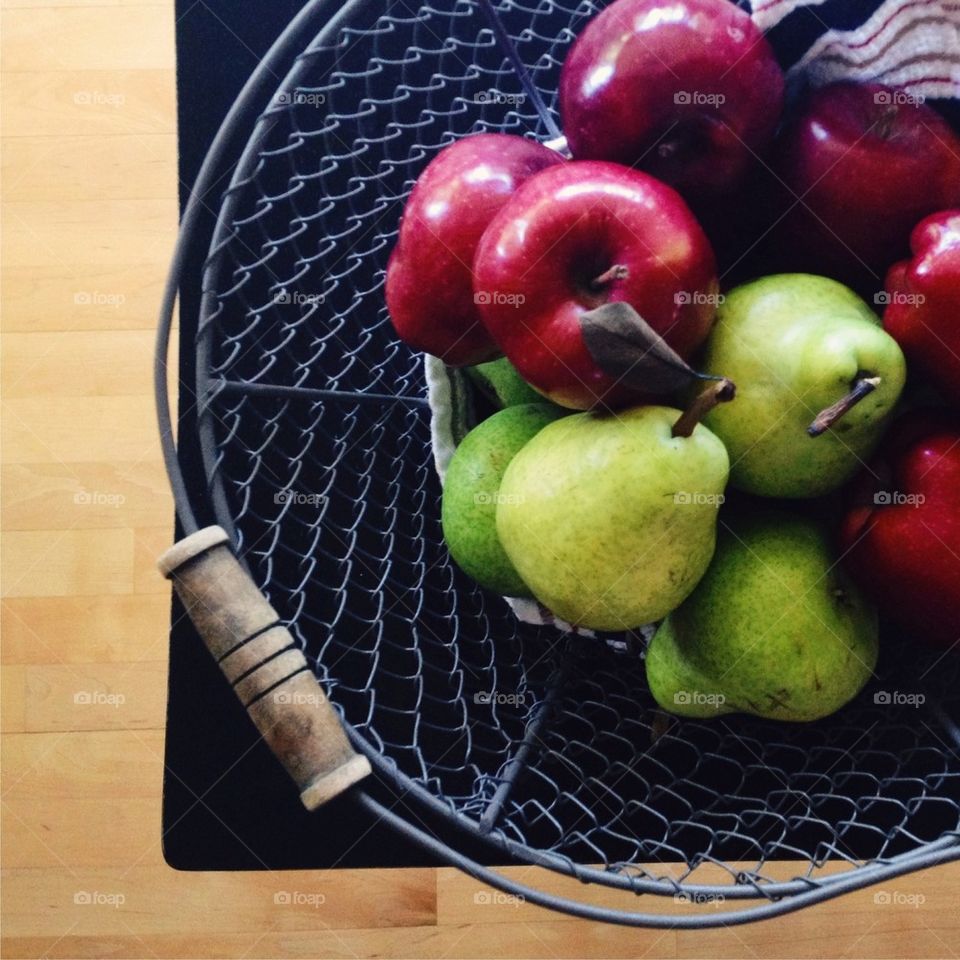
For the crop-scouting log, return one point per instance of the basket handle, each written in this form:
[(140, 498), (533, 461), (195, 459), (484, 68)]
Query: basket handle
[(263, 663)]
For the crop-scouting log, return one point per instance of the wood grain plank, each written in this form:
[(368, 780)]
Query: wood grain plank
[(150, 901), (75, 38), (13, 707), (79, 429), (91, 629), (149, 543), (80, 296), (80, 364), (58, 563), (127, 231), (132, 166), (57, 832), (42, 4), (99, 765), (85, 495), (88, 102), (538, 941), (78, 697)]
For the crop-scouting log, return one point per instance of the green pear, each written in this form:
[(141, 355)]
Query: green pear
[(795, 345), (610, 519), (501, 384), (471, 489), (774, 628)]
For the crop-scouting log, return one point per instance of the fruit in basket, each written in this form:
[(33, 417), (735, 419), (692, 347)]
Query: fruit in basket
[(862, 164), (429, 285), (901, 536), (500, 383), (688, 90), (610, 519), (471, 491), (807, 355), (775, 628), (575, 237), (922, 299)]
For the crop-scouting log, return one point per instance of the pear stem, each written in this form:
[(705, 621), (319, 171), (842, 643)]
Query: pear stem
[(617, 272), (825, 419), (722, 391)]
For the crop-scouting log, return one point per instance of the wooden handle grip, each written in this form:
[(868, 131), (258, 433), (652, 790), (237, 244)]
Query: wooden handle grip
[(265, 666)]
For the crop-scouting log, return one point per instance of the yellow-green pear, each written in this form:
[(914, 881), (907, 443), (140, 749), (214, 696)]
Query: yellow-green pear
[(774, 628), (609, 518), (801, 349)]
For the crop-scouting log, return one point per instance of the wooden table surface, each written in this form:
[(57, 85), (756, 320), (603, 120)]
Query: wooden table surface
[(89, 214)]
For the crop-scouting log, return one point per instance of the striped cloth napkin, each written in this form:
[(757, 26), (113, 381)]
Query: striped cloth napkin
[(909, 44)]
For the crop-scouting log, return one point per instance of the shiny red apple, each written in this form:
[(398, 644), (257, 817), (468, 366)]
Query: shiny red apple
[(901, 537), (862, 164), (577, 236), (923, 302), (429, 284), (688, 90)]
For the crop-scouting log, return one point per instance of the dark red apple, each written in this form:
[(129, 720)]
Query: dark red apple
[(688, 90), (577, 236), (862, 164), (901, 537), (923, 302), (429, 285)]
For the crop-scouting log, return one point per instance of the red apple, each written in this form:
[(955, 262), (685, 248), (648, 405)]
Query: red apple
[(862, 164), (688, 90), (572, 238), (923, 301), (901, 538), (429, 286)]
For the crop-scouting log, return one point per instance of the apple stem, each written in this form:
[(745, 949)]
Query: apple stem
[(721, 391), (885, 121), (825, 419), (617, 272)]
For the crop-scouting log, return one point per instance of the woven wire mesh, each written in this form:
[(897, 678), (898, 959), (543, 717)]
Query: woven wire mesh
[(318, 457)]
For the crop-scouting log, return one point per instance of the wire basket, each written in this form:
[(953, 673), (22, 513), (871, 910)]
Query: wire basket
[(314, 430)]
